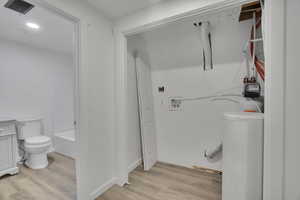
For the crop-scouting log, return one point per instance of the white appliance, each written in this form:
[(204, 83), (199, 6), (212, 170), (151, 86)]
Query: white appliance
[(243, 156), (33, 142), (8, 147)]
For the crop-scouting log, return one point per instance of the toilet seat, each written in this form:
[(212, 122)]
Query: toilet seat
[(37, 140)]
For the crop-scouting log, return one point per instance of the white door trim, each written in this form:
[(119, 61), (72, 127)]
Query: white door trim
[(77, 65), (274, 100), (121, 97)]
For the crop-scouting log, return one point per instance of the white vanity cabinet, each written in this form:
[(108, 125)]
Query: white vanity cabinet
[(8, 148)]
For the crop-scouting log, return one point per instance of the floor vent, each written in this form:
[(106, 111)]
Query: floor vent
[(19, 6)]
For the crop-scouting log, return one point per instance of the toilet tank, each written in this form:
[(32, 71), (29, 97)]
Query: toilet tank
[(29, 127)]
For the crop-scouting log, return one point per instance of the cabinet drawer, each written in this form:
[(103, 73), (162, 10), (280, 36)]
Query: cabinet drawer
[(6, 129)]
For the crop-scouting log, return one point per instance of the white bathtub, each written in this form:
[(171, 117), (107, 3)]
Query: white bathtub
[(64, 143)]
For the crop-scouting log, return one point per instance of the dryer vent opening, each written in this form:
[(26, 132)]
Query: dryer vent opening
[(19, 6)]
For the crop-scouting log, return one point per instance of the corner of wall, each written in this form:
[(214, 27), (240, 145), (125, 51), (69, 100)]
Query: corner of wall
[(103, 188), (134, 165)]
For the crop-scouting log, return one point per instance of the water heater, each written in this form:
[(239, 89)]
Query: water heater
[(243, 156)]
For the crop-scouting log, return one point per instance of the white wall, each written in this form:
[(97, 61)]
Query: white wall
[(134, 133), (184, 135), (99, 88), (37, 82), (95, 168), (292, 137)]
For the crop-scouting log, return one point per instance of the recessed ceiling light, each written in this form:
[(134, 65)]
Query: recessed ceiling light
[(33, 25)]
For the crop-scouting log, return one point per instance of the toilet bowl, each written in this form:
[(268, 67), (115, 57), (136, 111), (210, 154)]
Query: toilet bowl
[(36, 149), (34, 143)]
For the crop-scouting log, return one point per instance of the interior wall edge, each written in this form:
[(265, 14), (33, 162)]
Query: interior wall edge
[(134, 165), (273, 178), (91, 26)]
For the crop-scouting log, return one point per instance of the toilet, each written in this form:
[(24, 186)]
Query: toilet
[(32, 141)]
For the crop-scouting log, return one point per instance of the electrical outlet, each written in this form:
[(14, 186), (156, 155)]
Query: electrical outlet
[(175, 104)]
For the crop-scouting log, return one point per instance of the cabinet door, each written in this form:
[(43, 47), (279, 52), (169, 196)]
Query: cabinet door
[(6, 153)]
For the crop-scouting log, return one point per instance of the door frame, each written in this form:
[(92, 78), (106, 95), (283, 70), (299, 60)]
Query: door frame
[(274, 126), (121, 95), (273, 177), (76, 76)]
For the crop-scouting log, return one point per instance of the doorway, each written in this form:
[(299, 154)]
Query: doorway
[(122, 69), (40, 62)]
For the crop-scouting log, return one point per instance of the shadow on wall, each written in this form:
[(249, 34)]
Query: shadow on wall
[(137, 46)]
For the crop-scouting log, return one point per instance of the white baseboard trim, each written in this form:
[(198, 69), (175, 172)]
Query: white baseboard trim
[(134, 165), (103, 188), (122, 181), (11, 171)]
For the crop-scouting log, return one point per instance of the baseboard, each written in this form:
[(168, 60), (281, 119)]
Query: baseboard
[(122, 181), (208, 170), (103, 188), (134, 165)]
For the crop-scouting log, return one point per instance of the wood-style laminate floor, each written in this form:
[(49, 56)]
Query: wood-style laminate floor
[(56, 182), (167, 182)]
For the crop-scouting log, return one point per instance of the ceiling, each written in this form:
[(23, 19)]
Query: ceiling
[(118, 8), (178, 44), (55, 34)]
